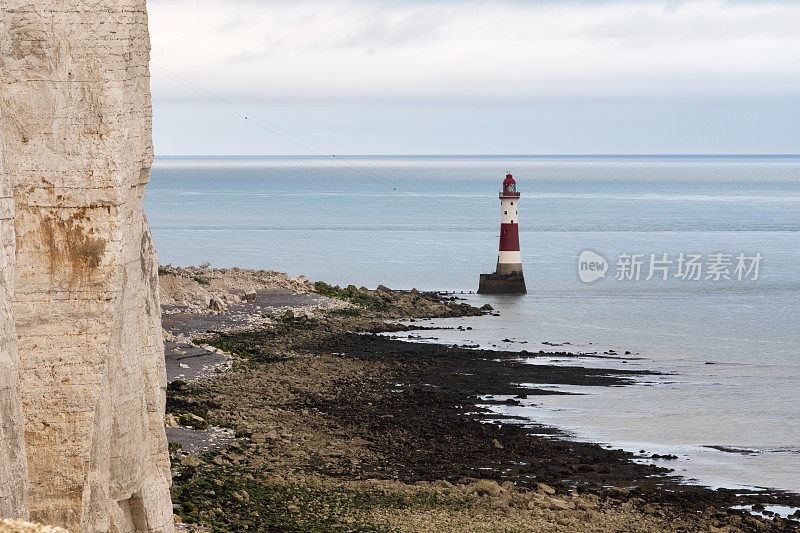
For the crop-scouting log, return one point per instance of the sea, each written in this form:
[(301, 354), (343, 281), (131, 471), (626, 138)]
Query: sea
[(684, 265)]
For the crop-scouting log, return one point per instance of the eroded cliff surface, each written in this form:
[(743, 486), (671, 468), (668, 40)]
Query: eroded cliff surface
[(74, 90), (13, 465)]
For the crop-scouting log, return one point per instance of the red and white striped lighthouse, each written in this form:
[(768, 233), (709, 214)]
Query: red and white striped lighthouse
[(507, 278), (509, 259)]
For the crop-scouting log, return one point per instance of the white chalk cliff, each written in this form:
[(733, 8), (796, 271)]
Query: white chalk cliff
[(13, 465), (77, 150)]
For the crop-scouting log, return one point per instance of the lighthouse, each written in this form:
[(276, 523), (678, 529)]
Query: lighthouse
[(507, 278)]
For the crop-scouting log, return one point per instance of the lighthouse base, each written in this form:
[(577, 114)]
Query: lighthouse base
[(512, 283)]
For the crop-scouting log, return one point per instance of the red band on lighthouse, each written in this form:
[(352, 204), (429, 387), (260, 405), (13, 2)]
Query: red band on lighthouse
[(509, 237)]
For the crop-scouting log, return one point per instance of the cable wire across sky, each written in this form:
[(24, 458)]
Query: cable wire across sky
[(306, 145)]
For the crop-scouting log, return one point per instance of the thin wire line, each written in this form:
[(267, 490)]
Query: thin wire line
[(306, 145)]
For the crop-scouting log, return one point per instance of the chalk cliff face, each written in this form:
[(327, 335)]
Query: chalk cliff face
[(74, 92), (13, 465)]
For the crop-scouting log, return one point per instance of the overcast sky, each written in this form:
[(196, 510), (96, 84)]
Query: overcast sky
[(482, 77)]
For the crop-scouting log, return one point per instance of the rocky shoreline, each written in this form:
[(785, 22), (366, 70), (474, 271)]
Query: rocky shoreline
[(333, 427)]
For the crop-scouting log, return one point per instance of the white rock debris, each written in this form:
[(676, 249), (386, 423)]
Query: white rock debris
[(18, 526)]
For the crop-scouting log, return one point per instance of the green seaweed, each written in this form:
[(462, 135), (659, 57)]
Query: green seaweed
[(165, 271), (225, 499), (257, 345), (348, 311), (184, 398), (193, 420), (352, 295)]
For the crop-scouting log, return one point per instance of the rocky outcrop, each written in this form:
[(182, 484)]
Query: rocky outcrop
[(13, 466), (74, 91), (195, 287)]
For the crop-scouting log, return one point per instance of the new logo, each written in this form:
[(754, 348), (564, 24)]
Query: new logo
[(591, 266)]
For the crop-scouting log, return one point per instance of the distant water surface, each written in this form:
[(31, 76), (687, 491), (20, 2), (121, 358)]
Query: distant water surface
[(432, 223)]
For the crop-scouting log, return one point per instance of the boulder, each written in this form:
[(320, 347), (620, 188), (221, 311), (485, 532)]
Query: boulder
[(547, 489), (216, 305), (250, 295), (194, 421), (485, 487), (190, 461)]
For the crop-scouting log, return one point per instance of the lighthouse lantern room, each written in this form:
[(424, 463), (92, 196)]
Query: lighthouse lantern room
[(507, 278)]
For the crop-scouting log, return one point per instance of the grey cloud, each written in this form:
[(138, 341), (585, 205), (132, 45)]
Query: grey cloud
[(232, 24), (376, 31)]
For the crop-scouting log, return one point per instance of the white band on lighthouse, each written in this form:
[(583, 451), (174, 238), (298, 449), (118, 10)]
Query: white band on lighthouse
[(508, 211), (510, 257)]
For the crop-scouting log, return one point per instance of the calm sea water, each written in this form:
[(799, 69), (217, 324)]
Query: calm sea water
[(432, 223)]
